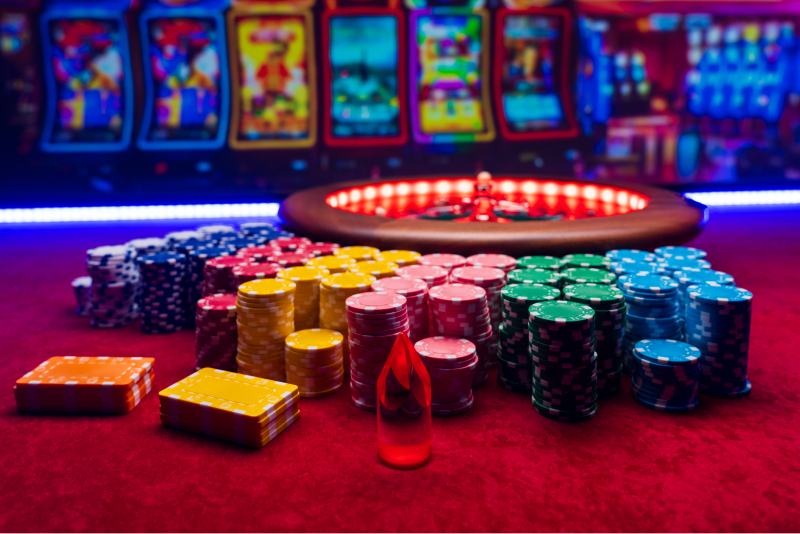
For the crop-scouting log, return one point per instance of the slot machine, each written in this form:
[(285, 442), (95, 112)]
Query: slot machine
[(449, 83), (21, 90), (90, 89), (365, 125), (186, 78), (535, 66), (273, 88)]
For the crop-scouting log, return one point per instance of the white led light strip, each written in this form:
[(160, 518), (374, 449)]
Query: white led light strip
[(138, 213), (746, 198)]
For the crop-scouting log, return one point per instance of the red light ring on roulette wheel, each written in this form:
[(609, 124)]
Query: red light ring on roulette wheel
[(577, 215)]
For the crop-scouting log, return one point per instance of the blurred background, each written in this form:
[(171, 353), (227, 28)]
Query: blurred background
[(115, 102)]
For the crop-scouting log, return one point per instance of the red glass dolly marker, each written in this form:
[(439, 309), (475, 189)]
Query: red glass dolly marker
[(404, 408)]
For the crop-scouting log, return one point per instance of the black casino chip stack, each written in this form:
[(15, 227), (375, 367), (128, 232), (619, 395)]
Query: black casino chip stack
[(163, 293)]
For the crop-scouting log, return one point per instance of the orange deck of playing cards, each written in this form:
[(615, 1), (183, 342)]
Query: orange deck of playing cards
[(244, 409), (85, 384)]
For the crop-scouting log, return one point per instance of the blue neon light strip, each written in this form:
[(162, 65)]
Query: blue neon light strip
[(746, 198), (138, 213)]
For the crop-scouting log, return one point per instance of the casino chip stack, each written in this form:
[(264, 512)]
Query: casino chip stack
[(492, 280), (653, 311), (230, 406), (163, 304), (587, 275), (84, 384), (82, 286), (561, 341), (378, 269), (314, 361), (588, 261), (265, 316), (416, 293), (666, 375), (306, 296), (218, 274), (515, 370), (374, 321), (359, 253), (718, 324), (334, 290), (534, 276), (258, 254), (216, 332), (254, 271), (494, 261), (697, 277), (540, 262), (149, 245), (451, 364), (403, 258), (610, 311), (332, 264), (684, 252), (196, 271), (462, 311), (448, 262), (115, 286)]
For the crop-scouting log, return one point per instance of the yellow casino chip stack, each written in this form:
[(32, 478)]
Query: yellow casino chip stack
[(265, 316), (359, 253), (306, 296), (402, 258), (378, 269), (333, 264), (314, 361), (333, 293), (235, 407)]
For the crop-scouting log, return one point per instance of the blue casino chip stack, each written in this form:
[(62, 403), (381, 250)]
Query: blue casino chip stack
[(690, 253), (653, 311), (690, 277), (115, 285), (163, 294), (666, 376), (718, 324)]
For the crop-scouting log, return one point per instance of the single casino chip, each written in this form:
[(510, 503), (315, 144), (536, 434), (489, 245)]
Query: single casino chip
[(720, 295), (402, 258), (373, 302), (429, 273), (450, 349), (347, 281), (540, 262), (685, 252), (358, 253), (446, 261), (217, 302), (528, 295), (268, 287), (480, 276), (593, 294), (562, 312), (648, 284), (533, 276), (497, 261), (667, 352), (408, 287), (313, 340), (457, 293)]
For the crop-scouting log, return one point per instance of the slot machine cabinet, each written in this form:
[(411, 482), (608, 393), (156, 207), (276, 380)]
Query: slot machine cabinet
[(452, 122), (364, 87), (21, 75), (273, 130), (702, 91), (534, 71)]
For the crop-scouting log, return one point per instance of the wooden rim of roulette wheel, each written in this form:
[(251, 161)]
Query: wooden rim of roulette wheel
[(515, 215)]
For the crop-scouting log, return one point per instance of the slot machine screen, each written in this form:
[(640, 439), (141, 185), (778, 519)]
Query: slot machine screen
[(184, 55), (364, 83), (274, 81), (88, 61), (449, 75), (530, 79)]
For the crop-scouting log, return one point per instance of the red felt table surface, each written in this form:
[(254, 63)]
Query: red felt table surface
[(733, 465)]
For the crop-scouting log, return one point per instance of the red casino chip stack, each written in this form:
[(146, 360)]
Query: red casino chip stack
[(254, 271), (320, 249), (374, 321), (461, 311), (215, 328), (218, 274), (289, 244), (496, 261), (451, 364), (416, 293), (447, 262), (493, 280)]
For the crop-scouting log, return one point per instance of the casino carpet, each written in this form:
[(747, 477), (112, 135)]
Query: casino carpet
[(733, 465)]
